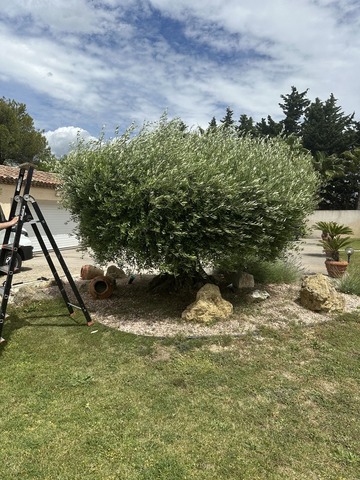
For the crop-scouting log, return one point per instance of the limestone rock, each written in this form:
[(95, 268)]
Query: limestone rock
[(115, 272), (259, 295), (208, 306), (243, 280), (319, 295), (28, 293)]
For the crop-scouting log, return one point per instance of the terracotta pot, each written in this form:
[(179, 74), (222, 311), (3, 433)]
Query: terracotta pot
[(335, 269), (90, 271), (101, 287)]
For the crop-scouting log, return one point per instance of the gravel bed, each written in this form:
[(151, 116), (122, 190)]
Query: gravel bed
[(132, 309)]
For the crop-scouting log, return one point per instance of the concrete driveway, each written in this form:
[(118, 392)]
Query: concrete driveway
[(38, 267), (311, 256)]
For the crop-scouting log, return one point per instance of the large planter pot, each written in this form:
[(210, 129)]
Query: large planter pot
[(335, 269)]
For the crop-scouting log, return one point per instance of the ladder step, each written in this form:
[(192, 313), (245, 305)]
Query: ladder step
[(30, 222), (75, 306), (6, 269), (9, 246)]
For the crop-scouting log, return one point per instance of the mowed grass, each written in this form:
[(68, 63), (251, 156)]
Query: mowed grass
[(354, 258), (355, 243), (93, 403)]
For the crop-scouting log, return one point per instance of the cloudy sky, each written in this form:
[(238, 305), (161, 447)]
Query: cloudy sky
[(85, 65)]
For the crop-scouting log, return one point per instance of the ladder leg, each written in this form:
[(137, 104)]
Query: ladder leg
[(5, 300), (52, 267), (9, 269), (24, 210), (60, 259)]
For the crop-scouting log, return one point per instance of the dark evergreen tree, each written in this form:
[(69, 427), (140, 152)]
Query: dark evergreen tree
[(228, 121), (356, 133), (342, 192), (294, 107), (212, 125), (246, 125), (268, 127), (326, 128)]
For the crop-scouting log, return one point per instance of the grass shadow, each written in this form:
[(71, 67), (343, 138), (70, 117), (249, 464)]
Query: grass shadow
[(12, 323)]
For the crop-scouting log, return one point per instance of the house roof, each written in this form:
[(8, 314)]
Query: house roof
[(9, 175)]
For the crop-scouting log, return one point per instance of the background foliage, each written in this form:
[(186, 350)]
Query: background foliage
[(176, 200), (20, 142), (331, 136)]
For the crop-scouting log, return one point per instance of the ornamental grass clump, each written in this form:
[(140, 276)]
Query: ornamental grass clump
[(350, 282), (178, 200)]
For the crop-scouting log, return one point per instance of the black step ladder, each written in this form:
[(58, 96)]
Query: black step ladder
[(26, 208)]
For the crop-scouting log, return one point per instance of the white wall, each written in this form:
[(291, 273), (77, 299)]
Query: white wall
[(350, 218), (7, 194)]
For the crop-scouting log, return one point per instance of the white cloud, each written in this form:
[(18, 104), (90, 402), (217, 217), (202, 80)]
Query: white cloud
[(124, 61), (64, 139), (70, 16)]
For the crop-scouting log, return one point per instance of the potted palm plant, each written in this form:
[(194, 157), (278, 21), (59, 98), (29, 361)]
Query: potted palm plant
[(332, 241)]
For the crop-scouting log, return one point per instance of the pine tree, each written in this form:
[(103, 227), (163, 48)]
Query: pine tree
[(212, 123), (326, 128), (294, 107), (268, 127), (228, 121), (246, 125)]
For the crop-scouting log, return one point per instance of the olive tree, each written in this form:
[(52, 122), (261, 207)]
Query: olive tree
[(177, 200)]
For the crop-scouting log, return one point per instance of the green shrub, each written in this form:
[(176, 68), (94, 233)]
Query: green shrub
[(350, 282), (176, 200)]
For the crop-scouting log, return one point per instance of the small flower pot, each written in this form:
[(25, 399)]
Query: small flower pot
[(335, 269)]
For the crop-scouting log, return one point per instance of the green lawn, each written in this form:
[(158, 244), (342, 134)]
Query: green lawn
[(356, 243), (92, 403), (355, 257)]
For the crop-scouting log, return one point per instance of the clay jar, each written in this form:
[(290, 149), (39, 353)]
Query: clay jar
[(101, 287), (90, 271)]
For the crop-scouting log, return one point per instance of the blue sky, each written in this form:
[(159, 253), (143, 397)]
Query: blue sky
[(81, 65)]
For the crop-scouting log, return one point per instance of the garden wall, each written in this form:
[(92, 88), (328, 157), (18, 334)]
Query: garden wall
[(350, 218)]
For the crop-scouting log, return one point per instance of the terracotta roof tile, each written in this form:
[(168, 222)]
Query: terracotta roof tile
[(9, 175)]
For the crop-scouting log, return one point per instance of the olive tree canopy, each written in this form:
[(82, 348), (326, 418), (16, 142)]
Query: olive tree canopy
[(175, 200)]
